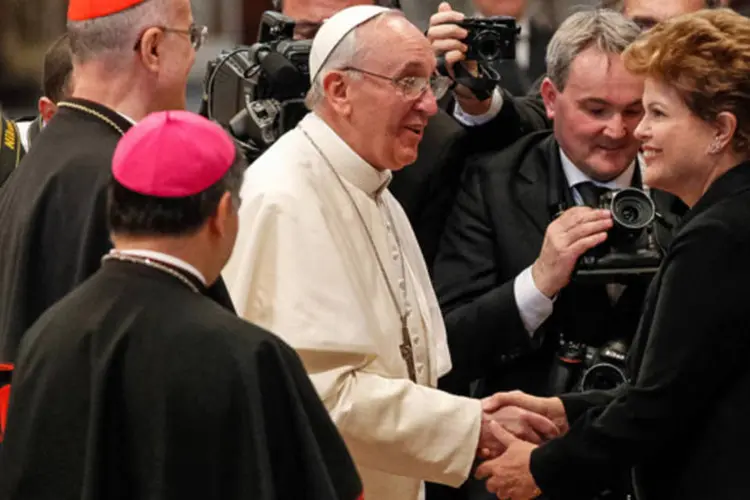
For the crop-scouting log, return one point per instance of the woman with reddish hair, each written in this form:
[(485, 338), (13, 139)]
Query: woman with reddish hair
[(681, 423)]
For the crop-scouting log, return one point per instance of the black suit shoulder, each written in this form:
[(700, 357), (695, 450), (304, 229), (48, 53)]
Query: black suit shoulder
[(426, 188)]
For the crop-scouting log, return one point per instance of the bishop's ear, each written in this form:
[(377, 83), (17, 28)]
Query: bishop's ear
[(148, 47), (224, 222)]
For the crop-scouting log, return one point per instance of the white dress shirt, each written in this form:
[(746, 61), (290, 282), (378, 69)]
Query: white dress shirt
[(533, 306)]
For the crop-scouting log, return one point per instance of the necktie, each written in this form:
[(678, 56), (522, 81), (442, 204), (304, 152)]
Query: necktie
[(591, 193)]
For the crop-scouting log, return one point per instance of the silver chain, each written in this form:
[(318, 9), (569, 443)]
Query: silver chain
[(403, 315), (114, 254)]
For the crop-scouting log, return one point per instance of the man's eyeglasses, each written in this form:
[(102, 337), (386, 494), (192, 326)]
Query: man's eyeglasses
[(413, 87), (196, 33)]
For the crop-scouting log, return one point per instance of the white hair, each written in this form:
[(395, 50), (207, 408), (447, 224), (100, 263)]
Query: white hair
[(344, 54), (112, 37)]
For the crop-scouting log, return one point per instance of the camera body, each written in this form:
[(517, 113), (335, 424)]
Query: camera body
[(257, 92), (579, 367), (630, 252), (490, 39)]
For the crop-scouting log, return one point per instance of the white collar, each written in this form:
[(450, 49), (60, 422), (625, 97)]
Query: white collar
[(167, 259), (347, 163), (133, 122), (574, 175)]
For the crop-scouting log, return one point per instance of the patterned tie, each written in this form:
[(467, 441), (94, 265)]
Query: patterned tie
[(591, 193)]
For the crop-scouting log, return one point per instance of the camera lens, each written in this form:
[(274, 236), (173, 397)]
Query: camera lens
[(603, 376), (632, 209), (488, 46)]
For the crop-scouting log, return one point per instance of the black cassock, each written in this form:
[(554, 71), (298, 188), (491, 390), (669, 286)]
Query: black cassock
[(53, 229), (135, 386)]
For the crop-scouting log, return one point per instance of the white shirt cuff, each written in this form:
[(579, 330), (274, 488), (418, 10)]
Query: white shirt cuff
[(533, 306), (475, 120)]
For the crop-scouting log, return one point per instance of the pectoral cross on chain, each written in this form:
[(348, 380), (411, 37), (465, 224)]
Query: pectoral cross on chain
[(406, 349)]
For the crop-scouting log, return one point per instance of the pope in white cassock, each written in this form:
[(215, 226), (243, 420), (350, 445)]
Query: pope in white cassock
[(326, 259)]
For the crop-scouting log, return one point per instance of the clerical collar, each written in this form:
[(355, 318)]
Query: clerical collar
[(574, 175), (167, 259), (347, 163)]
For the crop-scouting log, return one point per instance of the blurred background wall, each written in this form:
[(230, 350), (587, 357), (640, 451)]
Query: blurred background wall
[(27, 27)]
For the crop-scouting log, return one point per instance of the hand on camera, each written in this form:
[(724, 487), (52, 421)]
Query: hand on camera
[(446, 39), (567, 238), (522, 423)]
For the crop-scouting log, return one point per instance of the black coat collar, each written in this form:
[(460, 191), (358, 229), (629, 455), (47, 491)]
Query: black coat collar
[(95, 111), (732, 182)]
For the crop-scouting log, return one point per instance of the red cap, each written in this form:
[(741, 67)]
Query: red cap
[(82, 10), (172, 154)]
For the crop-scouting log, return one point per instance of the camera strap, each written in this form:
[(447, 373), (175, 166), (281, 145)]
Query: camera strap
[(481, 87), (11, 150)]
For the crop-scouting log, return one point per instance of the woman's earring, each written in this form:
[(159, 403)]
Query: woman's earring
[(714, 148)]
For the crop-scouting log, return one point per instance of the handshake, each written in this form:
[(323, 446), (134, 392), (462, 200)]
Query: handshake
[(513, 425)]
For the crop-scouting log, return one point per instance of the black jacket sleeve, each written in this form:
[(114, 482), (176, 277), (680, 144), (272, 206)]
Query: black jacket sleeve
[(693, 335), (481, 315), (518, 117)]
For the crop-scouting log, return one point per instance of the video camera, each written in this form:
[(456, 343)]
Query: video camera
[(630, 251), (257, 92)]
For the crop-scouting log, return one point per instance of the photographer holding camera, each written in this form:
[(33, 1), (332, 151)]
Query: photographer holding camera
[(507, 268)]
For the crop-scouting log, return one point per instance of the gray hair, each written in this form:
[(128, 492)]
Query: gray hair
[(349, 51), (114, 36), (607, 30)]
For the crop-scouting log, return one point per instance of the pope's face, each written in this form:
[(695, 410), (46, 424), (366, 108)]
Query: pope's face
[(387, 120)]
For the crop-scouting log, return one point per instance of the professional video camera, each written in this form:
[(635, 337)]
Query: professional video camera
[(490, 42), (630, 251), (580, 367), (258, 92)]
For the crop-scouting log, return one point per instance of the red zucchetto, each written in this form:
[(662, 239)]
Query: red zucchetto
[(83, 10), (172, 154)]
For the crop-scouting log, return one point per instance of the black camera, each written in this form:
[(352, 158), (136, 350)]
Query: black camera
[(258, 92), (579, 367), (630, 251), (490, 39)]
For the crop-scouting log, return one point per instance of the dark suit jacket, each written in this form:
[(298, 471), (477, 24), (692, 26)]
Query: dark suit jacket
[(682, 423), (495, 231), (427, 188)]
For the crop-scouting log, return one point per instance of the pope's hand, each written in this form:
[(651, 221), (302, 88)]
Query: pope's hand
[(552, 408), (509, 475), (524, 424)]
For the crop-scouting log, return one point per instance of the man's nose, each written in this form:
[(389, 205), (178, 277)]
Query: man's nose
[(427, 103), (616, 128)]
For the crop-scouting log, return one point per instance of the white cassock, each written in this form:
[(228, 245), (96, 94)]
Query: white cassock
[(304, 267)]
